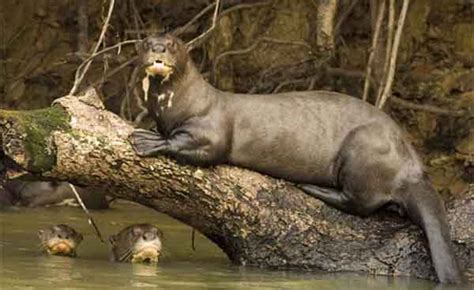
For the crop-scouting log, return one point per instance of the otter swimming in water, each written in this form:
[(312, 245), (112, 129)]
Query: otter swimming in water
[(138, 243), (61, 240), (335, 147)]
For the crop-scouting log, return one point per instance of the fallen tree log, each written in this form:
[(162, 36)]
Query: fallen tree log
[(255, 219)]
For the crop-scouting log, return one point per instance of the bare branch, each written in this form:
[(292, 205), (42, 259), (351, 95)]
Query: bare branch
[(388, 48), (252, 47), (427, 108), (344, 16), (373, 48), (90, 58), (190, 44), (81, 73), (185, 27), (201, 38), (393, 57)]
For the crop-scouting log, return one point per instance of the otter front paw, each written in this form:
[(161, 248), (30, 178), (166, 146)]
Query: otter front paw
[(146, 143)]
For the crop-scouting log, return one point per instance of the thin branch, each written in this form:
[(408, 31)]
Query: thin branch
[(373, 49), (427, 108), (80, 76), (115, 70), (201, 38), (388, 48), (190, 44), (89, 216), (344, 16), (252, 47), (288, 82), (182, 29), (90, 58), (393, 58)]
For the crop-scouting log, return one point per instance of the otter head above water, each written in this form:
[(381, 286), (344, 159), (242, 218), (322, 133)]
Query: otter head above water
[(162, 56), (61, 240), (138, 243)]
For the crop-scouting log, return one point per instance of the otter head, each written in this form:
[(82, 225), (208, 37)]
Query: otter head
[(163, 56), (139, 243), (61, 240)]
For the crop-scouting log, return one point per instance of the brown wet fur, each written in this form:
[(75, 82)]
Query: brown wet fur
[(137, 243), (335, 147), (60, 240)]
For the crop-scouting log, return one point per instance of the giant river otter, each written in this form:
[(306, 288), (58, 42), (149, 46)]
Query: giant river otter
[(138, 243), (61, 240), (336, 147)]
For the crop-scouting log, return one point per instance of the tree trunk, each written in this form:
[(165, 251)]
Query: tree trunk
[(255, 219)]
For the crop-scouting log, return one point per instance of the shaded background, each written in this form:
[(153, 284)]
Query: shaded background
[(44, 41)]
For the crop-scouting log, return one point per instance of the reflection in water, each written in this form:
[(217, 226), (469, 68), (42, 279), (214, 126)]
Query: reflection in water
[(22, 265), (144, 270), (54, 268)]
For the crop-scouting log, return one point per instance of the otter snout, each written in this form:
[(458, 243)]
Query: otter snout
[(149, 236)]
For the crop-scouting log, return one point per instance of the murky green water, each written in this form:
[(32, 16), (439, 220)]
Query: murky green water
[(23, 267)]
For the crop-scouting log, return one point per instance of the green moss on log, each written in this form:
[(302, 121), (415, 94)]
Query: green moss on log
[(37, 127)]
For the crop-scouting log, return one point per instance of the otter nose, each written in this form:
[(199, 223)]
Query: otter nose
[(148, 236), (159, 48)]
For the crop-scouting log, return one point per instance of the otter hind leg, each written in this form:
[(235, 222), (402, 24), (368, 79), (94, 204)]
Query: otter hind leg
[(340, 199), (146, 143)]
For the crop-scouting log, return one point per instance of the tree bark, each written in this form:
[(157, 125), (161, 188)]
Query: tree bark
[(255, 219)]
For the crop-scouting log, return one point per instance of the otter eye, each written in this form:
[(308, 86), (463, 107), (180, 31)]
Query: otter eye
[(137, 232)]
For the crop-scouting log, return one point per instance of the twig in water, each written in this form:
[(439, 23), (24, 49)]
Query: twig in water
[(80, 76), (193, 239), (373, 49), (90, 218), (393, 58)]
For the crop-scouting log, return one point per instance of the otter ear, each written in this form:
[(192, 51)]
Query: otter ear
[(113, 240), (159, 233)]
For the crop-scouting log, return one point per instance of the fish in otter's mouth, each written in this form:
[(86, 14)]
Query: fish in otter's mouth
[(61, 240), (159, 68), (138, 243)]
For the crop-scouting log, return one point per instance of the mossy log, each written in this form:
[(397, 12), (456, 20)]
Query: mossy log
[(255, 219)]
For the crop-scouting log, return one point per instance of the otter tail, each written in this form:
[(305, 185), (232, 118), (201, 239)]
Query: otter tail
[(425, 207)]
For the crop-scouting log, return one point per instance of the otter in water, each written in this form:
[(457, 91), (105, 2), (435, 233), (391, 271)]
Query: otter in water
[(138, 243), (45, 193), (337, 148), (61, 240)]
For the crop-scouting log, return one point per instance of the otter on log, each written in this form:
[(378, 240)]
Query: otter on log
[(336, 147)]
